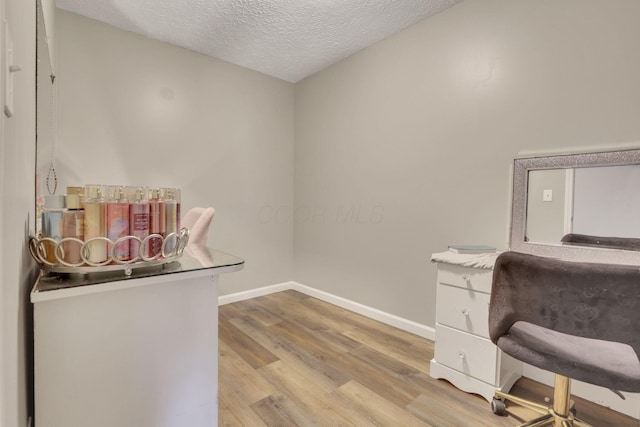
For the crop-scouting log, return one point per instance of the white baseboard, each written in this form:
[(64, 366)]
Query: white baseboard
[(254, 293), (370, 312)]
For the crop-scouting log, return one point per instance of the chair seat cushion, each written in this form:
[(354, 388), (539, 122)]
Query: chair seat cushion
[(605, 363)]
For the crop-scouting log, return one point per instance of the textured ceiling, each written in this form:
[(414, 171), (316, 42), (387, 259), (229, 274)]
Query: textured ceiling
[(288, 39)]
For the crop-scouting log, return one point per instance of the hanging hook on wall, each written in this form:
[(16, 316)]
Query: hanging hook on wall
[(52, 179)]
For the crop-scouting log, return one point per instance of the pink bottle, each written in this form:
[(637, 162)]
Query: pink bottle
[(157, 222), (95, 222), (139, 220), (118, 221)]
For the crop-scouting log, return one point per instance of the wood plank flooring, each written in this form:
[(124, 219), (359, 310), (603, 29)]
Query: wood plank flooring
[(287, 359)]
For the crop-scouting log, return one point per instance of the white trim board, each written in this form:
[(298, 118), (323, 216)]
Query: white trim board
[(254, 293), (370, 312)]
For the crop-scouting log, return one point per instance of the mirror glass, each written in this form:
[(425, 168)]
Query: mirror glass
[(594, 195), (44, 105), (596, 201)]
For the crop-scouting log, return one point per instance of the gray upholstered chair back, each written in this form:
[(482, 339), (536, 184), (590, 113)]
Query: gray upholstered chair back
[(622, 243), (588, 300)]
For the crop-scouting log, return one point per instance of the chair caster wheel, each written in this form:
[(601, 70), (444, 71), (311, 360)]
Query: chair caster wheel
[(498, 407)]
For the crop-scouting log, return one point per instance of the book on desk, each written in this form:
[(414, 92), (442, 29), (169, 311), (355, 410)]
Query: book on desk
[(472, 249)]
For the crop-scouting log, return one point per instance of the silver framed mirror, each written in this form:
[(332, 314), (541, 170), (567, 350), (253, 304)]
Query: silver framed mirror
[(586, 194)]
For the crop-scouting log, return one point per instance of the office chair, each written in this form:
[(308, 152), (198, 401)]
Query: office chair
[(577, 320)]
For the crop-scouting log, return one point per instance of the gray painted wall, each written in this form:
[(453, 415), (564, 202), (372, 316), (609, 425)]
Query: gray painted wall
[(400, 150), (545, 219), (136, 110), (17, 171), (418, 132)]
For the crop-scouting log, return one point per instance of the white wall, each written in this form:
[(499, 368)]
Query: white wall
[(419, 132), (17, 170), (135, 110), (607, 202)]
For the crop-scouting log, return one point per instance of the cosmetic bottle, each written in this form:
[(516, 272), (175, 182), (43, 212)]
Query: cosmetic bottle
[(73, 227), (95, 213), (171, 209), (157, 222), (118, 221), (52, 224), (177, 197), (79, 191), (139, 220), (167, 195)]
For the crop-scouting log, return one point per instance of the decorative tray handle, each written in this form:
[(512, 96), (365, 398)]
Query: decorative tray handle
[(49, 253)]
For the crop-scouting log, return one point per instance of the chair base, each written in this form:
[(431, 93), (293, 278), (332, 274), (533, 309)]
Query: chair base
[(559, 414)]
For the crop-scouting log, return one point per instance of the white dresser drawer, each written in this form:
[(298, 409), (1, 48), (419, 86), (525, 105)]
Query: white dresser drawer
[(465, 310), (466, 353), (474, 279)]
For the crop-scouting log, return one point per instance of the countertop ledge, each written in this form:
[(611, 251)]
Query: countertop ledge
[(196, 261)]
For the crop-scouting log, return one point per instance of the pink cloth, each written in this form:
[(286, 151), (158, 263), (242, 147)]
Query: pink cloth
[(198, 221)]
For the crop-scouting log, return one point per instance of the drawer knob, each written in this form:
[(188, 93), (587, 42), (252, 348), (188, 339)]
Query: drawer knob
[(461, 355), (465, 311), (466, 278)]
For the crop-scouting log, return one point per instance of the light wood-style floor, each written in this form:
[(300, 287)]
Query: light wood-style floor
[(287, 359)]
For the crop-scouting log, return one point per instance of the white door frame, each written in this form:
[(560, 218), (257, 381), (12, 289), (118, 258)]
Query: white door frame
[(568, 200)]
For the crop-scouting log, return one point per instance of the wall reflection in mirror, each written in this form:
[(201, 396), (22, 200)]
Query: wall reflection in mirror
[(596, 201)]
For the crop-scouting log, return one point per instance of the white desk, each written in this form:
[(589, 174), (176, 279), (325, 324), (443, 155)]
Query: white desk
[(139, 351), (464, 354)]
